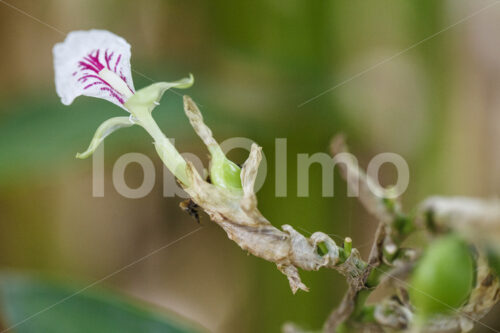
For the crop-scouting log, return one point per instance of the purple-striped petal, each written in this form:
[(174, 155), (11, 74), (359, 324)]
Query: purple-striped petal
[(93, 63)]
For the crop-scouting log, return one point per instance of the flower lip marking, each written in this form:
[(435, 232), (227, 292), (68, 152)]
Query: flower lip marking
[(105, 76), (93, 63)]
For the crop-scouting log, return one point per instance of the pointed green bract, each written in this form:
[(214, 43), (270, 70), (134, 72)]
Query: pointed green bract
[(223, 172), (105, 129)]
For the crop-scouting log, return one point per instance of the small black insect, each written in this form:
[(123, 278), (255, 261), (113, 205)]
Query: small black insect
[(190, 207)]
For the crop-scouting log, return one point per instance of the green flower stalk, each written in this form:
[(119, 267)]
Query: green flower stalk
[(141, 105), (97, 63)]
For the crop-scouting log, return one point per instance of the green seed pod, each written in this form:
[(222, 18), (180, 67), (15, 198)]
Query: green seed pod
[(443, 278), (223, 172)]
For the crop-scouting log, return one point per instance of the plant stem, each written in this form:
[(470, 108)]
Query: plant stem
[(172, 159)]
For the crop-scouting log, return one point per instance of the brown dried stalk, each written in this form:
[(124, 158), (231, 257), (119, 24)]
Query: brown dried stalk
[(237, 213), (354, 299), (460, 214)]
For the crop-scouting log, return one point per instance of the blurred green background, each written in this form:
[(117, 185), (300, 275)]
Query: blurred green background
[(436, 103)]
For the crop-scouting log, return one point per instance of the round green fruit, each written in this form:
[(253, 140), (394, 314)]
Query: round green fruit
[(443, 278)]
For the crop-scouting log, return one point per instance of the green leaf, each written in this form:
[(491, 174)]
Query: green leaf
[(105, 129), (30, 304)]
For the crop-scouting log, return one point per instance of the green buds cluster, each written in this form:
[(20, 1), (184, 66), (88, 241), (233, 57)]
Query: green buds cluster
[(443, 278)]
